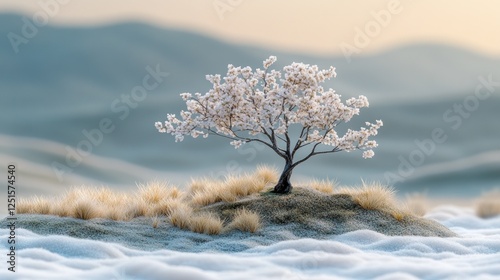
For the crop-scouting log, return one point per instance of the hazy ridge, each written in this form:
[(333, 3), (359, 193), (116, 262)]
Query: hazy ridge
[(65, 80)]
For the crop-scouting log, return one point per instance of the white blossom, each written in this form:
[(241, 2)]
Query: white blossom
[(160, 127), (247, 103), (186, 95), (268, 62), (368, 154), (236, 143)]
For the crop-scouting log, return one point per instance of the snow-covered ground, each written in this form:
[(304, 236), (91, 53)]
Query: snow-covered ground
[(356, 255)]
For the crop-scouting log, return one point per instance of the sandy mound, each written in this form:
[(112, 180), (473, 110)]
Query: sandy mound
[(302, 214), (328, 214)]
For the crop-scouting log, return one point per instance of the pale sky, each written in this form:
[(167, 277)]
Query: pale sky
[(317, 26)]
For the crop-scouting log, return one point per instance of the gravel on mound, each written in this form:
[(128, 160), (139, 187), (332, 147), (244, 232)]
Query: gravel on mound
[(328, 214), (301, 214)]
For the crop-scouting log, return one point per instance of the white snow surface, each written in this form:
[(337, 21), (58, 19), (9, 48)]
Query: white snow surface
[(362, 254)]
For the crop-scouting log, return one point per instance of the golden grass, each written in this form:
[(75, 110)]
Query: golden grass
[(164, 207), (116, 213), (488, 205), (153, 192), (381, 198), (85, 209), (324, 186), (181, 217), (155, 221), (267, 174), (207, 223), (137, 209), (400, 213), (160, 198), (245, 220), (197, 185), (206, 197), (182, 209), (101, 195), (205, 191), (24, 206), (243, 185), (372, 197), (35, 205), (417, 204), (60, 208), (153, 198)]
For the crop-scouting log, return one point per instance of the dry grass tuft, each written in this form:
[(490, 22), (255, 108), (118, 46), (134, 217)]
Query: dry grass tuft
[(198, 185), (488, 205), (205, 191), (136, 209), (206, 197), (373, 197), (164, 207), (207, 223), (61, 208), (181, 217), (23, 206), (155, 221), (153, 192), (417, 204), (116, 213), (324, 186), (161, 199), (399, 214), (379, 197), (154, 198), (245, 220), (267, 174), (175, 193), (85, 210), (35, 205), (243, 185), (102, 196)]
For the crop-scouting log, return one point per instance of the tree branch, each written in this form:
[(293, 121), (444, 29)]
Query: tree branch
[(299, 141), (276, 149), (313, 153)]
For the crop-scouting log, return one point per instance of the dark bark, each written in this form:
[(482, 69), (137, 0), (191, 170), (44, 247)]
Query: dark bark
[(284, 186)]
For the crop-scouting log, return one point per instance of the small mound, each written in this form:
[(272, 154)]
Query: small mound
[(242, 204), (329, 214), (259, 219)]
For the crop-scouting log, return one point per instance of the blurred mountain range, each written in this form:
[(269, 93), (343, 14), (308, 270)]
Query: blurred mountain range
[(68, 83)]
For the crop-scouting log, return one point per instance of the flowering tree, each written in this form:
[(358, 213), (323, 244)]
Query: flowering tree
[(262, 106)]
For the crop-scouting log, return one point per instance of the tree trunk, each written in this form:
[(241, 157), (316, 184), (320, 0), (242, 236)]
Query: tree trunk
[(284, 186)]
